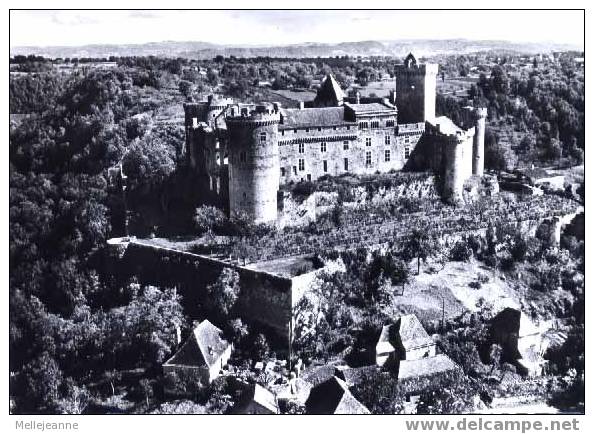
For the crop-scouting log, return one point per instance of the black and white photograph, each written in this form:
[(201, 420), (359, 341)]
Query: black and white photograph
[(296, 212)]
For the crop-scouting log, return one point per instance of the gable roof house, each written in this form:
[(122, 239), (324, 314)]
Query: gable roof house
[(406, 339), (333, 397), (256, 400), (200, 359)]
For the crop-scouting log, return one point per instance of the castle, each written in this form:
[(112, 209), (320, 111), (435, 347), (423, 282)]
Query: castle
[(245, 152)]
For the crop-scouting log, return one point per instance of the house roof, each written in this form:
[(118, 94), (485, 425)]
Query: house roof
[(329, 92), (426, 367), (352, 376), (371, 108), (333, 397), (313, 117), (204, 347), (410, 331), (259, 395)]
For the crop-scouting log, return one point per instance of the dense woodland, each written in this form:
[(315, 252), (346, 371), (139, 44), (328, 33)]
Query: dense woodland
[(77, 334)]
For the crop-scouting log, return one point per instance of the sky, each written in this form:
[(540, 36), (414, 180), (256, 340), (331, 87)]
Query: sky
[(72, 28)]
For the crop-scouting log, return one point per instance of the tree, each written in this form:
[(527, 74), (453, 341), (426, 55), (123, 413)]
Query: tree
[(208, 219), (260, 347), (147, 389), (185, 88), (419, 244), (76, 399), (224, 293)]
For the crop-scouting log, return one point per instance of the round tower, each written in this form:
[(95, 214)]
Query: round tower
[(254, 165), (453, 182), (478, 148)]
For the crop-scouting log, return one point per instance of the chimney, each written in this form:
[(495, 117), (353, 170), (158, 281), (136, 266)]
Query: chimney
[(301, 105), (358, 97), (393, 97)]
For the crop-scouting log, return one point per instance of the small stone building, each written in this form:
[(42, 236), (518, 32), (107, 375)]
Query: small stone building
[(406, 339), (200, 359)]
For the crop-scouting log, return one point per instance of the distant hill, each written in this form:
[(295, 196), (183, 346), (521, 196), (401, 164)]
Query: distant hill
[(206, 50)]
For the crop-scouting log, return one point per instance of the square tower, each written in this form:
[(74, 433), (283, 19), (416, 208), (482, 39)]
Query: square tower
[(415, 91)]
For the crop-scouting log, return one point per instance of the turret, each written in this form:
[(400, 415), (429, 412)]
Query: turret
[(254, 165), (478, 148), (453, 182)]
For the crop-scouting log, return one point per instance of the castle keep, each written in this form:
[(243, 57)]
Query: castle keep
[(245, 152)]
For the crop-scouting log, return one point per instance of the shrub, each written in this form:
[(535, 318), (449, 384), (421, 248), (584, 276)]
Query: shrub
[(461, 252)]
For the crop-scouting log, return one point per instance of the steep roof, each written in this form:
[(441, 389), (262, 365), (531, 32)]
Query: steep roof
[(203, 348), (333, 397), (329, 93), (412, 333), (313, 117), (259, 395), (426, 367)]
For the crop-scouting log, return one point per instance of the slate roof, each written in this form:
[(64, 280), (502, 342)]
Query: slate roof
[(333, 397), (313, 117), (259, 395), (426, 367), (372, 107), (204, 347), (329, 92), (353, 376), (412, 333)]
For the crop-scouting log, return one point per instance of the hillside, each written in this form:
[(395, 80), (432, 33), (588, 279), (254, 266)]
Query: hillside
[(206, 50)]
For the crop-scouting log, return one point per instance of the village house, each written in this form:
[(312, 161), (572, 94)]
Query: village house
[(256, 400), (406, 339), (333, 397), (200, 359)]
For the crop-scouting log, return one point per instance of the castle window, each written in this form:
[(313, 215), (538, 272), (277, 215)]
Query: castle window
[(368, 159), (295, 131), (390, 123), (282, 171), (282, 132), (301, 148), (301, 164), (294, 170), (374, 124), (387, 140), (407, 140), (363, 125), (309, 176), (367, 141), (323, 146), (319, 128), (346, 164), (242, 157), (348, 127), (262, 137), (334, 128), (387, 155), (345, 145), (406, 152), (325, 165), (307, 130)]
